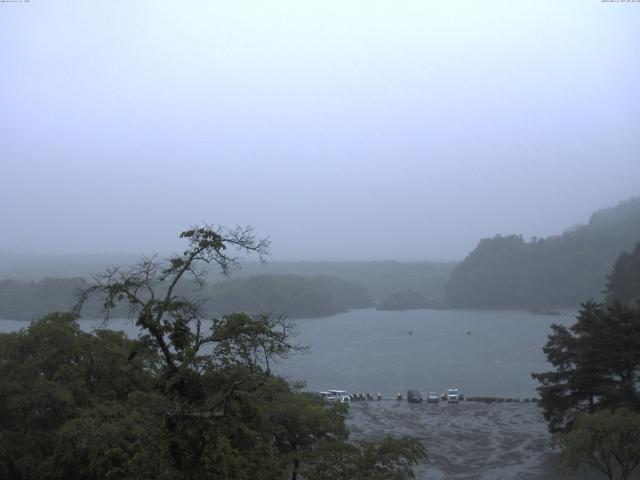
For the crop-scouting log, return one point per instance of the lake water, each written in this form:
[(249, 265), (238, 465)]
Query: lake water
[(484, 353)]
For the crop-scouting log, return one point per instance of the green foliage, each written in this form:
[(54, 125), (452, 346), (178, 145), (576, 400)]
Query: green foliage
[(240, 339), (114, 440), (623, 283), (608, 441), (51, 373), (507, 272), (597, 364)]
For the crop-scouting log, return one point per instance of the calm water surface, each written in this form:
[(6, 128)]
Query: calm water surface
[(488, 353), (481, 352)]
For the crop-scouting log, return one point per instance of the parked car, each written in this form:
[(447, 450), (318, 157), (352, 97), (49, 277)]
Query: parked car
[(340, 396), (454, 395), (433, 397), (414, 396)]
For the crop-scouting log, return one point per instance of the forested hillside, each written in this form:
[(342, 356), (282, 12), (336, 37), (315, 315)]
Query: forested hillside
[(623, 283), (381, 279), (295, 288), (564, 270), (31, 300), (291, 295)]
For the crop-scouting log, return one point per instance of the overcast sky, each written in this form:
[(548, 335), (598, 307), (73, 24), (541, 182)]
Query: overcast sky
[(343, 129)]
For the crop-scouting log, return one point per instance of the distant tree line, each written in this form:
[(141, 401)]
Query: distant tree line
[(509, 272), (623, 283), (409, 300), (31, 300), (290, 295), (381, 279)]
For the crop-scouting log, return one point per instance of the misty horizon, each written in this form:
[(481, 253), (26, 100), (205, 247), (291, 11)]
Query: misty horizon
[(366, 131), (132, 256)]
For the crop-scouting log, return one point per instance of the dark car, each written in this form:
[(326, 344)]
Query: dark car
[(414, 396)]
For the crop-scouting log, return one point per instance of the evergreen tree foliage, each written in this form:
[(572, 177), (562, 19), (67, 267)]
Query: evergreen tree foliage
[(597, 364), (623, 283)]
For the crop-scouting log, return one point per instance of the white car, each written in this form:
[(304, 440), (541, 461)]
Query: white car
[(339, 396)]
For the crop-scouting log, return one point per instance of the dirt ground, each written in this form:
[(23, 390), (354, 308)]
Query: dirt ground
[(470, 440)]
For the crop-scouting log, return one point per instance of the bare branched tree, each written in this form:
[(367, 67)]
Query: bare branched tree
[(149, 288)]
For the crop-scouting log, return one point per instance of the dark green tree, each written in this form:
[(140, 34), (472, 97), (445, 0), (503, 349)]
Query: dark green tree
[(623, 283), (52, 373), (597, 364)]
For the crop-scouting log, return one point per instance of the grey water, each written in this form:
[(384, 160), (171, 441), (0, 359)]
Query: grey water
[(484, 353)]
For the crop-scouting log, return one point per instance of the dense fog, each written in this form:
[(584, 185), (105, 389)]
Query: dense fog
[(345, 131)]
